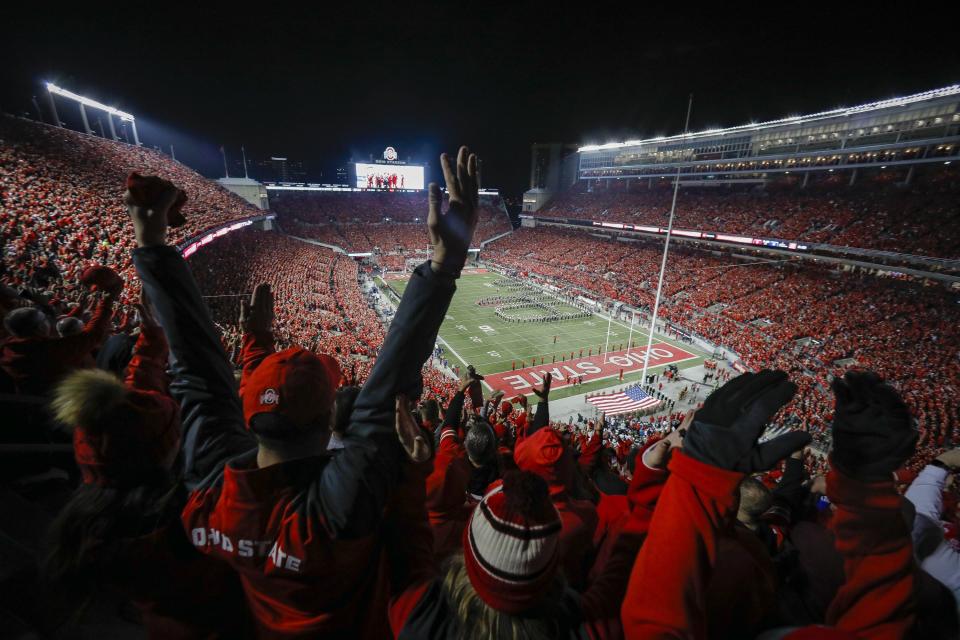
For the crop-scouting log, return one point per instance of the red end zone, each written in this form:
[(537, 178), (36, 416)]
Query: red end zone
[(592, 368)]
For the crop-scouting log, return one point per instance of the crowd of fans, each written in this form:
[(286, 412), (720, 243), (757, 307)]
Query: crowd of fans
[(813, 321), (61, 205), (876, 213), (320, 304), (385, 222), (254, 456)]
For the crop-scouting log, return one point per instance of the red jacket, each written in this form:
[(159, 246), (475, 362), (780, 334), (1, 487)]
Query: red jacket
[(446, 496), (589, 452), (612, 510), (255, 348), (36, 364), (269, 525), (681, 550)]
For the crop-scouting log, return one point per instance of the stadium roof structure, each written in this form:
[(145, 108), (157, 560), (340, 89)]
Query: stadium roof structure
[(942, 92), (909, 131)]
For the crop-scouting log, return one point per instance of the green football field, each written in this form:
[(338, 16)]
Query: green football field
[(474, 334)]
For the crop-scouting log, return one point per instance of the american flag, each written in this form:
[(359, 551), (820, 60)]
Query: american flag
[(631, 399)]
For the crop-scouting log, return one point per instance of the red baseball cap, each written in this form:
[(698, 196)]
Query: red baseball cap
[(294, 383)]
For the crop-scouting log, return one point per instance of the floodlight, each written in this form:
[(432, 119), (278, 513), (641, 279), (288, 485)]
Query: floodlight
[(123, 115)]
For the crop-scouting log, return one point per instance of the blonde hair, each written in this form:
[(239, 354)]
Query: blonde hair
[(87, 397), (476, 620)]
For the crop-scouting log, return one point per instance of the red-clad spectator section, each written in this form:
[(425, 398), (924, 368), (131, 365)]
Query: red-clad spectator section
[(319, 304), (385, 222), (879, 211), (62, 201), (812, 320)]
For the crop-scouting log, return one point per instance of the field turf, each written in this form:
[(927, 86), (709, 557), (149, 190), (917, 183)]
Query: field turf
[(473, 334)]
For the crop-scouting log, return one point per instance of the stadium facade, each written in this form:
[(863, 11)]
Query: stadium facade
[(897, 134), (912, 130)]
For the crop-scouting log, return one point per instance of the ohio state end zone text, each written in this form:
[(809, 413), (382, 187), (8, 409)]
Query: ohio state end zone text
[(591, 368)]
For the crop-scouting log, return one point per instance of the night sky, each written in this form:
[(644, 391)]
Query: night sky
[(333, 81)]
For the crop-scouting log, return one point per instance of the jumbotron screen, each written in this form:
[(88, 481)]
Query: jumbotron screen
[(389, 176)]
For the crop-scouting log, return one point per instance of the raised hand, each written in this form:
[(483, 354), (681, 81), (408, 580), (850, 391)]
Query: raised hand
[(724, 432), (150, 220), (411, 436), (873, 434), (451, 232), (657, 456), (681, 431), (256, 314), (544, 390)]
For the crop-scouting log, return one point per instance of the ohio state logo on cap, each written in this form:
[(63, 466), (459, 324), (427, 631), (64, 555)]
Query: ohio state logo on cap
[(269, 396)]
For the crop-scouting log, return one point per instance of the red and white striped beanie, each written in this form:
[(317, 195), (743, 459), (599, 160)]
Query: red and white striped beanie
[(511, 544)]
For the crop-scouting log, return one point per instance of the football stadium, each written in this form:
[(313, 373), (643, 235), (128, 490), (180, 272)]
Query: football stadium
[(479, 322)]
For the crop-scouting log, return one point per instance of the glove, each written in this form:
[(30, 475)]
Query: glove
[(724, 432), (476, 394), (873, 434)]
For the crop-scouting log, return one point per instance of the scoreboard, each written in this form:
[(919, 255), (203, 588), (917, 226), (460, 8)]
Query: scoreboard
[(389, 176), (390, 173)]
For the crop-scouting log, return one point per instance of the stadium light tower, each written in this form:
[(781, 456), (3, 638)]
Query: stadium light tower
[(84, 102)]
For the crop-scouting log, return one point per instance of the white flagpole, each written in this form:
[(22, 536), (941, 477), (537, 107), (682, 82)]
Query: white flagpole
[(607, 345), (666, 249), (633, 319)]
